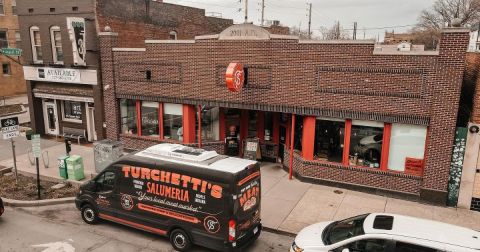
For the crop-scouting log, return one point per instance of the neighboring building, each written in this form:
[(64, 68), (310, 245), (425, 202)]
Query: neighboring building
[(474, 44), (373, 120), (401, 47), (62, 53), (11, 75), (397, 38)]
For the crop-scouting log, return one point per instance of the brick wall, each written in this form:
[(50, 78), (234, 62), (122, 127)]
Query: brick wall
[(137, 20), (289, 74)]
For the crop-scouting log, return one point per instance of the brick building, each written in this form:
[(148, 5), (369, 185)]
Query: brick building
[(62, 54), (11, 77), (352, 116)]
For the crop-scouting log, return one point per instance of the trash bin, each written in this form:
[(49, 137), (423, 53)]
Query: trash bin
[(75, 168), (105, 153), (62, 166)]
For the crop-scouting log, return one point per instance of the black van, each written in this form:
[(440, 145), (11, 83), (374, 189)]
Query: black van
[(190, 195)]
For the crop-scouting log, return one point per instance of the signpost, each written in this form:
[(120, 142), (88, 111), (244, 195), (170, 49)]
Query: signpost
[(37, 151), (10, 129), (11, 51)]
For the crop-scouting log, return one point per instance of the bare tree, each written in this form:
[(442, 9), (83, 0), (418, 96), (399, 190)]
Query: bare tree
[(335, 32), (445, 11), (302, 34)]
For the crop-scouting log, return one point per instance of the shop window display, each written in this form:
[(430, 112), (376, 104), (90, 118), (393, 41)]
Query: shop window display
[(329, 140), (366, 144), (128, 114), (268, 126), (210, 123), (72, 111), (252, 123), (173, 121), (406, 142), (150, 117)]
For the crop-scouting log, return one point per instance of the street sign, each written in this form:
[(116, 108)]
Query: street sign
[(11, 51), (10, 127), (36, 146)]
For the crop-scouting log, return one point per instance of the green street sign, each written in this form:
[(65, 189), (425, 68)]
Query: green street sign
[(11, 51)]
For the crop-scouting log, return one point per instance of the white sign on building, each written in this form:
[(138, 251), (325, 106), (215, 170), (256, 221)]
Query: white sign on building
[(76, 32)]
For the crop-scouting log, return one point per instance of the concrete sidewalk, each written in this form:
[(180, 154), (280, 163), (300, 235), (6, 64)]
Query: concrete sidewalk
[(290, 205), (51, 150)]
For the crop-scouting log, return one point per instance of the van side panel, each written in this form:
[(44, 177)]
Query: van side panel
[(165, 197)]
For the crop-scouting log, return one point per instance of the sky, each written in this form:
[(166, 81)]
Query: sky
[(371, 15)]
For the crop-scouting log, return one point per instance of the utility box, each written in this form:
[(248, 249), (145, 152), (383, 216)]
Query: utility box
[(62, 166), (75, 168), (106, 152)]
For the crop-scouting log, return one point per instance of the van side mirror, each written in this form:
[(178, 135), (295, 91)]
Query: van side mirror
[(345, 250)]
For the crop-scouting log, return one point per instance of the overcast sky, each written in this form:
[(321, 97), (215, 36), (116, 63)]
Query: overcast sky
[(368, 13)]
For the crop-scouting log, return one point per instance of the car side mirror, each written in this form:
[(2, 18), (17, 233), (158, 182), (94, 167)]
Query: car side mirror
[(345, 250)]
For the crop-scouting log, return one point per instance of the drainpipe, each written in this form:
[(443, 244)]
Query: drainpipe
[(292, 136), (199, 135)]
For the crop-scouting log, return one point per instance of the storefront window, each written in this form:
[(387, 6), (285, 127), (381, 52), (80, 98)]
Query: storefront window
[(210, 123), (366, 144), (268, 126), (173, 121), (72, 111), (329, 139), (298, 132), (406, 142), (252, 123), (128, 114), (150, 117)]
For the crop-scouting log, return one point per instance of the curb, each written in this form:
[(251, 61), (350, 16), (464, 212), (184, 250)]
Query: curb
[(35, 203), (278, 231)]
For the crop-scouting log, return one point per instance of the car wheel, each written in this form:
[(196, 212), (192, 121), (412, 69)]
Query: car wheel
[(180, 240), (89, 214)]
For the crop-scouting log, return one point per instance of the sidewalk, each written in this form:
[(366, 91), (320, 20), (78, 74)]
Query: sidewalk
[(290, 205), (51, 150)]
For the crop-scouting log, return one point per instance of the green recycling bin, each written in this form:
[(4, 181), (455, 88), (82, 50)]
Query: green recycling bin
[(75, 168), (62, 166)]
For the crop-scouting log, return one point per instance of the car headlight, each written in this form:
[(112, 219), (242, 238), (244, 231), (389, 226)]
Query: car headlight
[(296, 248)]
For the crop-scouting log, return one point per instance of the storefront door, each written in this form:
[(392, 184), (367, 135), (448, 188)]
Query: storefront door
[(92, 133), (50, 118)]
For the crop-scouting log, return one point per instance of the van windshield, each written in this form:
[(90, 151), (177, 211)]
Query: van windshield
[(342, 230)]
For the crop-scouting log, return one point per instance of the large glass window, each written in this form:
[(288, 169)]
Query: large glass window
[(72, 111), (406, 142), (128, 114), (366, 143), (36, 44), (173, 121), (268, 126), (150, 117), (56, 40), (2, 7), (329, 139), (252, 123), (210, 123), (14, 7)]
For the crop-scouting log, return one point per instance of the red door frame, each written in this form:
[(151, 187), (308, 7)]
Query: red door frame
[(308, 137), (160, 120), (346, 142), (138, 107), (292, 138), (387, 133)]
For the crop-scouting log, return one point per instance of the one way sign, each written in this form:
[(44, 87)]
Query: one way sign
[(10, 127)]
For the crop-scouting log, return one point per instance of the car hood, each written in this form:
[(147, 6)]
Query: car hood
[(311, 235)]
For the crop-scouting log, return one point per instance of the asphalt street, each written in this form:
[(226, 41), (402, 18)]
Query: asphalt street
[(61, 229)]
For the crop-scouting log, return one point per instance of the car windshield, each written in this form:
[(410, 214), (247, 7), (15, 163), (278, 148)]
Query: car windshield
[(341, 230)]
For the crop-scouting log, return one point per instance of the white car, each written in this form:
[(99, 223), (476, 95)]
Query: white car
[(381, 232)]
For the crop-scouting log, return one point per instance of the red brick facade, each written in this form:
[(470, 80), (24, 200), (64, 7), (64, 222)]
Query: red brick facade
[(327, 79)]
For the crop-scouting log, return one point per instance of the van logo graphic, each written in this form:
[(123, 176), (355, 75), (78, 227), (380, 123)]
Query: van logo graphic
[(127, 202), (211, 224), (250, 203)]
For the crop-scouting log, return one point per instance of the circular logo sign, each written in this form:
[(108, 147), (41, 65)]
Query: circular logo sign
[(127, 202), (211, 224), (235, 77)]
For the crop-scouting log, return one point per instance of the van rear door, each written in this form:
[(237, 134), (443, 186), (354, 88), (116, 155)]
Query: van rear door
[(247, 204)]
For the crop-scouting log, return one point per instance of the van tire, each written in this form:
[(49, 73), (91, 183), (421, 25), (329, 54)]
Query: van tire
[(89, 214), (180, 240)]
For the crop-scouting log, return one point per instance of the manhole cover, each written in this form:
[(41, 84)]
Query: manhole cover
[(338, 192)]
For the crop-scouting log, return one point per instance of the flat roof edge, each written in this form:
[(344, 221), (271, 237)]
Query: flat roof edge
[(116, 49), (455, 29), (151, 41), (410, 53), (340, 42), (201, 37)]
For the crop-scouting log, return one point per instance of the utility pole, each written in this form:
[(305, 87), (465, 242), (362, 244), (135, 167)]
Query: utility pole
[(310, 21), (263, 12), (355, 31), (246, 11)]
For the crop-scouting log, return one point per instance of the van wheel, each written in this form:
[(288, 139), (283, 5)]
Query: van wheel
[(89, 214), (180, 240)]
